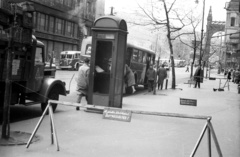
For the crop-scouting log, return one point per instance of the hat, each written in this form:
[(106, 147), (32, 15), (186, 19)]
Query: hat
[(86, 60)]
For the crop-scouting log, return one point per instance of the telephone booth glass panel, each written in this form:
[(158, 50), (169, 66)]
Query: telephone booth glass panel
[(102, 62)]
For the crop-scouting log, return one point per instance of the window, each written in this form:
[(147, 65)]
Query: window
[(75, 31), (88, 9), (88, 49), (135, 55), (41, 21), (140, 56), (68, 28), (46, 23), (59, 26), (69, 56), (63, 56), (232, 21), (77, 56), (51, 24), (144, 57), (39, 55)]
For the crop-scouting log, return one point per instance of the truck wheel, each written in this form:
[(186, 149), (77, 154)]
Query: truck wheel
[(54, 95)]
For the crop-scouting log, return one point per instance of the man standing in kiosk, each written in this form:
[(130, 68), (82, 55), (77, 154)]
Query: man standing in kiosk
[(83, 81)]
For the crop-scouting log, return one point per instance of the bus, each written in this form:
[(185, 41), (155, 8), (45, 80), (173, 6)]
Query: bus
[(70, 60), (177, 62), (180, 63), (137, 58)]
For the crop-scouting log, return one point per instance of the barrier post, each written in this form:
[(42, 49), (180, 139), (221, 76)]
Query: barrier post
[(209, 141), (215, 138), (199, 140), (51, 129), (38, 124), (53, 126)]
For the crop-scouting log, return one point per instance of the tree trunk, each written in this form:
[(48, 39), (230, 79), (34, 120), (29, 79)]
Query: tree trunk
[(194, 56), (170, 46)]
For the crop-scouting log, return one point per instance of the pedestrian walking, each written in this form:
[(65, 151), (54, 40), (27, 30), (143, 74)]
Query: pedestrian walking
[(229, 75), (151, 78), (197, 77), (187, 70), (129, 80), (83, 81), (162, 74)]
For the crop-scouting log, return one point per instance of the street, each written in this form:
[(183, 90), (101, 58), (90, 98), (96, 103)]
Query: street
[(89, 134), (19, 112)]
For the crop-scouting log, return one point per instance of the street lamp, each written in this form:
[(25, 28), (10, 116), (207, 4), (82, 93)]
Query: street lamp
[(200, 57)]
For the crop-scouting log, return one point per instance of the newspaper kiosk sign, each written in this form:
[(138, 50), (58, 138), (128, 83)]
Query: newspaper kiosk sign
[(190, 102), (117, 114)]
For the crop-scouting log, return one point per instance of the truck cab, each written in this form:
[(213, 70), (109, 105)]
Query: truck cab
[(33, 80)]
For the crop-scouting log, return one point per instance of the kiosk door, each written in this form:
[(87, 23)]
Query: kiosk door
[(102, 73)]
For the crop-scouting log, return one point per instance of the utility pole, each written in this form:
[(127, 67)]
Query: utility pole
[(201, 43), (8, 82)]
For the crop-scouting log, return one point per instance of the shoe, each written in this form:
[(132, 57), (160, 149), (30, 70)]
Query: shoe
[(77, 108), (214, 89)]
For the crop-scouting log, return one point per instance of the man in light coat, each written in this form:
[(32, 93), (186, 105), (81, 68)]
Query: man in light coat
[(83, 81)]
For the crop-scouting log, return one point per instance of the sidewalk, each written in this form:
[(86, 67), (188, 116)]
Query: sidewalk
[(88, 135)]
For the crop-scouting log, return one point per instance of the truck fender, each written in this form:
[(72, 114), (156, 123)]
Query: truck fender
[(48, 85)]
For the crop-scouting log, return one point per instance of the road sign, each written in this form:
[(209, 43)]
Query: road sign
[(117, 114), (190, 102)]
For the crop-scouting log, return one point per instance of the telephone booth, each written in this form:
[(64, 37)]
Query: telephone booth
[(107, 62)]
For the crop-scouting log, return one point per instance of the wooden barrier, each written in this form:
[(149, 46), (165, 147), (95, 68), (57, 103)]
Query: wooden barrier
[(208, 126)]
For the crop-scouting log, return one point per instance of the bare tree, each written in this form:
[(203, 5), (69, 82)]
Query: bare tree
[(194, 38), (173, 21)]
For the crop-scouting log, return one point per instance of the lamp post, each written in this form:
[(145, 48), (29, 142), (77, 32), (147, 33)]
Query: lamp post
[(200, 57)]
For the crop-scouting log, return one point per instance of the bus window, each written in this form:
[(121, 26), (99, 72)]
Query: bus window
[(88, 49), (128, 56), (149, 58), (63, 56), (135, 55), (77, 55), (140, 57), (69, 56), (144, 57)]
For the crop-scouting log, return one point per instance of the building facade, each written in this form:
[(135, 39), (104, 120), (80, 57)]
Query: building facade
[(61, 24), (232, 31)]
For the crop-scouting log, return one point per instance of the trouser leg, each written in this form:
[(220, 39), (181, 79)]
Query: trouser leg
[(79, 98), (149, 86)]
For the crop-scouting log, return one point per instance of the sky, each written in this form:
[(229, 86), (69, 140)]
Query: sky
[(127, 7), (219, 13)]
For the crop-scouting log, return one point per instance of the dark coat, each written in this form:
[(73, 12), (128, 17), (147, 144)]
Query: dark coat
[(197, 75)]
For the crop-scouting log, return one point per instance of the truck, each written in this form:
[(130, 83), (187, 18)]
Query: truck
[(32, 79)]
